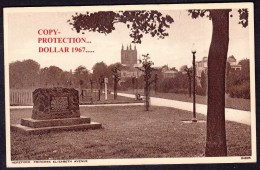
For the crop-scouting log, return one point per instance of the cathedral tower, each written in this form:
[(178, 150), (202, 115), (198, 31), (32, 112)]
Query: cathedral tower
[(129, 56)]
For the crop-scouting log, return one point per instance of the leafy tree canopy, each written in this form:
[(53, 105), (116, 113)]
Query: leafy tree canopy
[(243, 15), (24, 73), (139, 22), (81, 72), (100, 71)]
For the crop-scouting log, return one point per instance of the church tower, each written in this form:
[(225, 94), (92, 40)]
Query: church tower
[(129, 56)]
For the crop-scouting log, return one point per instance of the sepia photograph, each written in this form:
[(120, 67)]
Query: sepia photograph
[(130, 85)]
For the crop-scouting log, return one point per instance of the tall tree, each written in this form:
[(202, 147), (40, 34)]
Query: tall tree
[(245, 69), (66, 78), (24, 74), (54, 75), (188, 71), (16, 80), (31, 71), (228, 71), (99, 71), (216, 132), (116, 76), (81, 74), (154, 23), (44, 74), (111, 73), (217, 58), (203, 83)]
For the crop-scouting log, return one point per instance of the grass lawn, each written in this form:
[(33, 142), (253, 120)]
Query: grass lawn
[(128, 132), (234, 103), (110, 100)]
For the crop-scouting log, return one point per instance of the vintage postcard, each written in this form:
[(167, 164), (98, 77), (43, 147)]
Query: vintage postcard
[(129, 85)]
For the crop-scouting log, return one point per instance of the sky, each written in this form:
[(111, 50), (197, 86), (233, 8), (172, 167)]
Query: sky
[(174, 50)]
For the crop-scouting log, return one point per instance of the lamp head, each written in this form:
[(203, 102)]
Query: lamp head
[(193, 49)]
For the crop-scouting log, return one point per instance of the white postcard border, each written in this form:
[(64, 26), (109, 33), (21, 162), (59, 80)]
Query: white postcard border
[(132, 161)]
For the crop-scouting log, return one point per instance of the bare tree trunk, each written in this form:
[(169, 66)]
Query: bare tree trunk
[(115, 89), (146, 96), (216, 132)]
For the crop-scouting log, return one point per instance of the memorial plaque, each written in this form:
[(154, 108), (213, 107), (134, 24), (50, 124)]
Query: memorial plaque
[(59, 104), (55, 103)]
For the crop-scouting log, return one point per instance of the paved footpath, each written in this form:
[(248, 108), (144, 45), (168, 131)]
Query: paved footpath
[(234, 115)]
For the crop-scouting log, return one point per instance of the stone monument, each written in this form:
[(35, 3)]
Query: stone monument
[(55, 109)]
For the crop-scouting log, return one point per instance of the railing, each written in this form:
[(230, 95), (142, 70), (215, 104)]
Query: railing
[(21, 97), (25, 98)]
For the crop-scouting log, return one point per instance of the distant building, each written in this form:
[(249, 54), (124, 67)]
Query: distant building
[(233, 63), (203, 65), (129, 72), (128, 56), (129, 61), (168, 73), (164, 68)]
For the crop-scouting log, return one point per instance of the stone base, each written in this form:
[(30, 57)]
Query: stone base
[(32, 126), (54, 122)]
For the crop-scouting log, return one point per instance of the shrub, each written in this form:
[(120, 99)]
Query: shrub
[(240, 91), (200, 91), (178, 91), (238, 81), (166, 85)]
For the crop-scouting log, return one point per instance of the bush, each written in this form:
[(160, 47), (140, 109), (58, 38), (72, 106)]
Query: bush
[(166, 85), (178, 84), (240, 91), (178, 91), (200, 91), (238, 82)]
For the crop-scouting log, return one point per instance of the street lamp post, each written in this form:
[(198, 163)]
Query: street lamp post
[(194, 119)]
